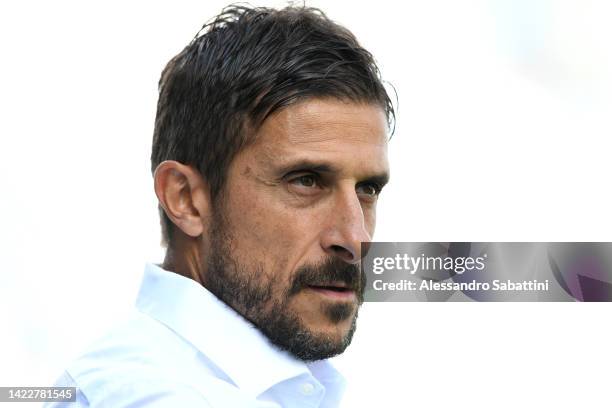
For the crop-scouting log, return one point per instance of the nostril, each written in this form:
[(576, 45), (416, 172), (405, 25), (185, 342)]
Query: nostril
[(343, 253)]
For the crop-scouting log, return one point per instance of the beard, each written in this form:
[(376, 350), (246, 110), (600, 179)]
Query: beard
[(251, 291)]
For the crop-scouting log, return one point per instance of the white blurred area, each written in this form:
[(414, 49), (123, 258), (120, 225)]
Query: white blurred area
[(504, 117)]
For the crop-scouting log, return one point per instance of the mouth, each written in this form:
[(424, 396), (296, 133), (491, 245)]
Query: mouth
[(338, 291)]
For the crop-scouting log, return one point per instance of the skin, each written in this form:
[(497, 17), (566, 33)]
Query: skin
[(304, 192)]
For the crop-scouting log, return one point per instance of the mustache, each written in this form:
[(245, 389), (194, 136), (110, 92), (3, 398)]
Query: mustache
[(331, 271)]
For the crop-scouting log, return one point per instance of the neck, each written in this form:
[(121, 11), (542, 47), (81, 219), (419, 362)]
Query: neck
[(185, 261)]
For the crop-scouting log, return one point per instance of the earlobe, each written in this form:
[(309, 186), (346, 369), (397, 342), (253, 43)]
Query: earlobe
[(184, 196)]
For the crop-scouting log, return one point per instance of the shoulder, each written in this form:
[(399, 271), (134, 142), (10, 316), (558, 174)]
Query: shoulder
[(139, 362), (132, 392)]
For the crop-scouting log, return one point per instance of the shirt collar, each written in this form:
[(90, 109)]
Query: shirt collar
[(231, 342)]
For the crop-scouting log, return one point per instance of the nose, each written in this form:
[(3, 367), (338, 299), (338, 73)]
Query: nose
[(346, 228)]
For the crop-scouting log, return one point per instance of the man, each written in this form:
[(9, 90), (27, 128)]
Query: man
[(269, 153)]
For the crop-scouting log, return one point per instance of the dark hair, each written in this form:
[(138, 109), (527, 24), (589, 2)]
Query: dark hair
[(241, 67)]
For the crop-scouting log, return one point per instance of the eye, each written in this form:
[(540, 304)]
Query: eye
[(306, 180), (305, 184), (369, 190)]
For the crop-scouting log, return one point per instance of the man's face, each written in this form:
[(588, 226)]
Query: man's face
[(286, 232)]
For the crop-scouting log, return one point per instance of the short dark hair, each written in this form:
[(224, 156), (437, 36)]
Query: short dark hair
[(241, 67)]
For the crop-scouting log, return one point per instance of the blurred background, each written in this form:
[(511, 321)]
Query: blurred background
[(503, 131)]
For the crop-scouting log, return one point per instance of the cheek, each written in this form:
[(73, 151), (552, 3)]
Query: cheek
[(266, 232)]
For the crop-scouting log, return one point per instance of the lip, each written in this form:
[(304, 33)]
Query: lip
[(347, 294)]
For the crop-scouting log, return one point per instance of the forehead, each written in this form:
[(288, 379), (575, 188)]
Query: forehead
[(346, 133)]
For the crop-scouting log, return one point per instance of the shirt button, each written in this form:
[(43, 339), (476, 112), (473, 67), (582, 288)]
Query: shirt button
[(307, 388)]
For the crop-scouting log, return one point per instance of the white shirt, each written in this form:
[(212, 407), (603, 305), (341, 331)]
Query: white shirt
[(183, 347)]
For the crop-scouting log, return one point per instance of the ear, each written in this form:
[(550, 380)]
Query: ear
[(184, 196)]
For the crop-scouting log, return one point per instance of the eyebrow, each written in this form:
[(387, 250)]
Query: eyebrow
[(309, 165), (379, 179)]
